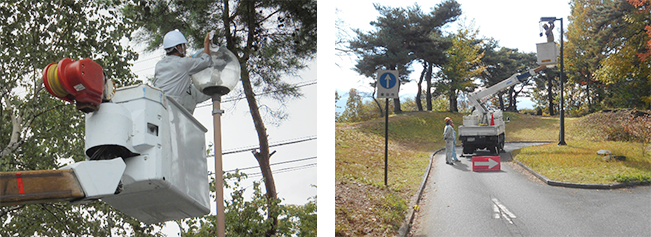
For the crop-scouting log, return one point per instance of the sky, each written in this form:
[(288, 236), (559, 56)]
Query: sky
[(513, 23), (295, 179)]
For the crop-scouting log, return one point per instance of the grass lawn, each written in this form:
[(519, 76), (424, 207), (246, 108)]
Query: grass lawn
[(532, 128), (578, 162)]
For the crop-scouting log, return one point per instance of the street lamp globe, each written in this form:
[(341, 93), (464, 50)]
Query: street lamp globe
[(222, 77)]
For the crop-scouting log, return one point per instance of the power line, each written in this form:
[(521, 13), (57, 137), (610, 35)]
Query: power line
[(148, 59), (234, 98), (282, 143), (141, 70), (147, 68), (279, 163), (284, 170), (278, 171)]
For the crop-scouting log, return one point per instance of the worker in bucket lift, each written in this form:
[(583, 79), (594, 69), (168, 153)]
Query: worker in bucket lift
[(548, 31), (172, 73), (450, 137)]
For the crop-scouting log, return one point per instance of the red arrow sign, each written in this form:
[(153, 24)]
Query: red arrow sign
[(486, 163)]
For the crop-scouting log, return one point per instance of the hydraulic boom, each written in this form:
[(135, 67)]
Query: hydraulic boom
[(484, 128)]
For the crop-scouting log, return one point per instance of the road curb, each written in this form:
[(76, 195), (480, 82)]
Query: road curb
[(577, 185), (406, 226)]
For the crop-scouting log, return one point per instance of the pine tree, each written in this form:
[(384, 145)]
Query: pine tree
[(402, 36)]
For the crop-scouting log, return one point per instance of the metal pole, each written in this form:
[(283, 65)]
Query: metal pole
[(386, 141), (219, 174), (562, 132)]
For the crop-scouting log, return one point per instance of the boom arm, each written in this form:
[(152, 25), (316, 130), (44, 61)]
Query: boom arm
[(78, 183), (478, 98)]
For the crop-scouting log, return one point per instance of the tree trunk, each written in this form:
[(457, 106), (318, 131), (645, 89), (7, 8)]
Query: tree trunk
[(428, 80), (16, 129), (396, 106), (453, 101), (419, 104), (263, 155), (512, 100), (378, 104), (396, 101), (587, 90), (513, 107), (500, 96)]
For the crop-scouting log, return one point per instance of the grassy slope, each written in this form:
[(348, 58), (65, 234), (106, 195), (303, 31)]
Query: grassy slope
[(532, 128), (364, 206)]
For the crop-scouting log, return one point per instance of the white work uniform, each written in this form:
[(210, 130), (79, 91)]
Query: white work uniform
[(449, 135), (172, 75)]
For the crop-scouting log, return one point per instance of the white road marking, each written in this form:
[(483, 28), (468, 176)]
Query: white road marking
[(500, 209), (496, 212), (507, 218)]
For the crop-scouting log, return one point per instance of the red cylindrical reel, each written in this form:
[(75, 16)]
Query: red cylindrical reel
[(81, 81)]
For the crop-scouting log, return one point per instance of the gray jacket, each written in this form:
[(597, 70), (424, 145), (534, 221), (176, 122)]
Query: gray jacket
[(172, 75), (449, 134)]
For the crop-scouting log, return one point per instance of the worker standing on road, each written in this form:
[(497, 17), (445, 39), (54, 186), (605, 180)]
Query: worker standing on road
[(450, 137), (172, 73)]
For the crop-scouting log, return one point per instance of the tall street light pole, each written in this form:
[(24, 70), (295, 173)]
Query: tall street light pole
[(219, 174), (561, 135), (220, 79)]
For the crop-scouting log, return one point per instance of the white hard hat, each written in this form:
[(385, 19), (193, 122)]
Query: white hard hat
[(173, 38)]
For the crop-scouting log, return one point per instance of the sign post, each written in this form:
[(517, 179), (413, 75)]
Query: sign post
[(388, 87)]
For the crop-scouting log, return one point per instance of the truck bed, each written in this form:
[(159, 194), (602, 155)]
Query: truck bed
[(479, 130)]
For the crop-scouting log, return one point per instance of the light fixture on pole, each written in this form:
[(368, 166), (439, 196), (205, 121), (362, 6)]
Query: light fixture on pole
[(217, 81), (561, 135)]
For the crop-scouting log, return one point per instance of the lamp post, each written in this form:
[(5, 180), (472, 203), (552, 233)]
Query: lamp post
[(217, 81), (561, 135), (219, 175)]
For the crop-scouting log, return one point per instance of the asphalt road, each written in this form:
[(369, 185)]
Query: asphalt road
[(460, 202)]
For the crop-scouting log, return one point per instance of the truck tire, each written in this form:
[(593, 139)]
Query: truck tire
[(496, 150), (468, 150)]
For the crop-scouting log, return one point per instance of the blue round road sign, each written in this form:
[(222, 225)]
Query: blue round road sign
[(388, 80)]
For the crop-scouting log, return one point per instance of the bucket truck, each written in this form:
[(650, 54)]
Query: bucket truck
[(484, 128)]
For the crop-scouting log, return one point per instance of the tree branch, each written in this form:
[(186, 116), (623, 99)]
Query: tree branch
[(6, 211), (13, 144)]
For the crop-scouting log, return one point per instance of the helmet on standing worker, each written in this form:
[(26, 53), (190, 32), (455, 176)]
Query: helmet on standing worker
[(447, 119)]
